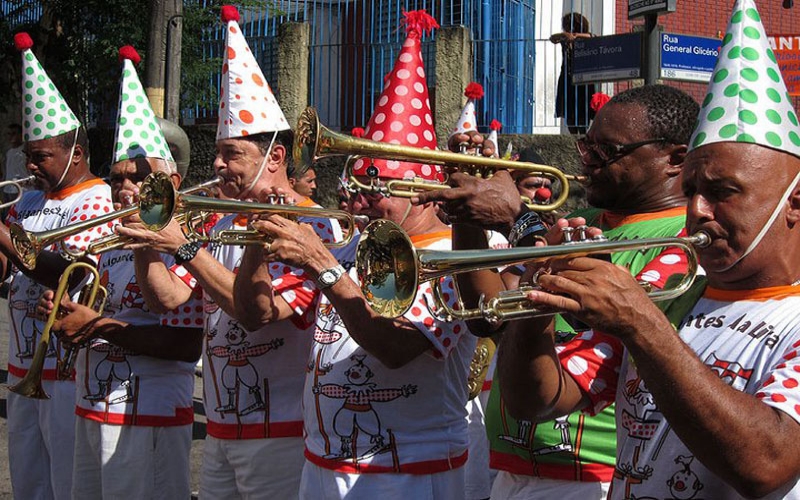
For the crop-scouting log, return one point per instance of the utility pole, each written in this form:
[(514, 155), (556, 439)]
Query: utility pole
[(162, 12), (172, 75)]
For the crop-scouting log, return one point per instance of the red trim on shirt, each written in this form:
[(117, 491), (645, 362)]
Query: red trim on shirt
[(183, 416), (424, 467), (254, 431), (68, 191), (758, 295), (614, 220), (487, 386), (590, 473), (47, 374)]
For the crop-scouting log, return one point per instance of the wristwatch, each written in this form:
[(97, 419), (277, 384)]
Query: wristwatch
[(187, 251), (527, 224), (329, 277)]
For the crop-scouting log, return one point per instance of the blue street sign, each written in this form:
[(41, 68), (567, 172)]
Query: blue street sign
[(607, 58), (688, 58)]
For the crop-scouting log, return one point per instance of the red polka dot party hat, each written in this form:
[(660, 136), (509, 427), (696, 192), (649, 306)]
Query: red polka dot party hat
[(494, 126), (468, 122), (247, 105), (138, 134), (45, 113), (403, 112)]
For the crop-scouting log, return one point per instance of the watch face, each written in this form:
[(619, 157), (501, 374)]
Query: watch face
[(327, 278)]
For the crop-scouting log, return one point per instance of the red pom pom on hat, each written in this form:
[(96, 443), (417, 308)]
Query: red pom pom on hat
[(128, 52), (598, 100), (474, 91), (23, 41), (495, 125), (418, 22), (357, 132), (229, 13)]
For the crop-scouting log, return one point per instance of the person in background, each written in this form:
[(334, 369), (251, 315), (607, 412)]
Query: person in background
[(303, 181), (572, 101)]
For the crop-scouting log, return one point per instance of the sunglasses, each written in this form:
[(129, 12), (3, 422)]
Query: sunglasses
[(603, 154)]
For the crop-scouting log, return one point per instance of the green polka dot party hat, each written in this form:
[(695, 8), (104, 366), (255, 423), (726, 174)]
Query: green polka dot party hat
[(747, 99), (247, 105), (138, 134), (45, 114)]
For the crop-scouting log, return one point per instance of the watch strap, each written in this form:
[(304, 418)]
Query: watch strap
[(187, 252), (527, 224), (337, 272)]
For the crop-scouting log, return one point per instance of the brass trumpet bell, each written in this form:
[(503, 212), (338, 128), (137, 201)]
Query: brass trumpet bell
[(391, 269)]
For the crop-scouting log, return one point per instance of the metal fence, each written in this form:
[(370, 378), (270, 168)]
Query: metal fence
[(354, 43)]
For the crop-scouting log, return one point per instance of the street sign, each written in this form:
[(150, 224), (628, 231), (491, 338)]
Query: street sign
[(637, 8), (787, 53), (607, 58), (688, 58)]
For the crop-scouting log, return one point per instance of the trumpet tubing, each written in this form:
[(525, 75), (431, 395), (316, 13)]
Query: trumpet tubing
[(155, 208), (314, 141), (193, 204), (391, 269), (18, 184), (31, 384)]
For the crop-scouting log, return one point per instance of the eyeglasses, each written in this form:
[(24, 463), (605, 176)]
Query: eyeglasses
[(602, 154)]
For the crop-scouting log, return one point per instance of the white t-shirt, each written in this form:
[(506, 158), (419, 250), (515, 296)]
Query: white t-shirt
[(362, 417), (750, 339), (118, 386), (253, 381), (40, 211)]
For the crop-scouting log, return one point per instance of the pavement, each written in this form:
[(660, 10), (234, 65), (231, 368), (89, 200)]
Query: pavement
[(198, 435)]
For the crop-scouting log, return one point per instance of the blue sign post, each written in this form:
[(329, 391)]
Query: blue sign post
[(607, 58), (688, 58)]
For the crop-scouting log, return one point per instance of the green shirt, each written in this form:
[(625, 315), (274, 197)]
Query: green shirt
[(575, 447)]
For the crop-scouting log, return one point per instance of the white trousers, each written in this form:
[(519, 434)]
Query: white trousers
[(127, 462), (251, 468), (478, 475), (41, 434), (509, 486), (324, 484)]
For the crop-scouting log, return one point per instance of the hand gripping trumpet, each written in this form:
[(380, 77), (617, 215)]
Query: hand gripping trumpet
[(314, 141), (155, 208), (93, 296), (390, 270), (17, 184)]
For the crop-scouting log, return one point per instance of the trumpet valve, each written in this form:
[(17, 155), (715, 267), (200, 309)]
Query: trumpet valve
[(567, 234), (582, 234)]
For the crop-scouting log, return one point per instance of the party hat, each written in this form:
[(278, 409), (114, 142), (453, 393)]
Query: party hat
[(403, 113), (45, 114), (138, 134), (247, 105), (747, 99), (468, 121)]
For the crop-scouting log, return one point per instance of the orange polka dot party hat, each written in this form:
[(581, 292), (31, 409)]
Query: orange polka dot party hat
[(468, 121), (247, 105), (138, 134), (402, 114), (45, 113)]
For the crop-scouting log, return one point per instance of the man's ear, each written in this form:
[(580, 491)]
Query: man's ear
[(175, 177), (78, 154), (677, 155), (277, 158), (793, 214)]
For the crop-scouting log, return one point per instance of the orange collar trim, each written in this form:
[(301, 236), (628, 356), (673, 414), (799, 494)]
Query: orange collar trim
[(68, 191), (614, 220), (757, 295), (420, 240)]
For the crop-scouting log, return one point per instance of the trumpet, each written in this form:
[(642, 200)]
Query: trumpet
[(18, 184), (193, 204), (390, 270), (314, 141), (31, 384), (155, 207)]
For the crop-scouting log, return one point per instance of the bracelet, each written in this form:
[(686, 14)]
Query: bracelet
[(527, 224)]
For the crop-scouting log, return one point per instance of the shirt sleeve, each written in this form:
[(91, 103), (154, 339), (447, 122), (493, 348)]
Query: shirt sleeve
[(300, 292), (89, 207), (669, 262), (593, 360), (779, 389), (443, 335)]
